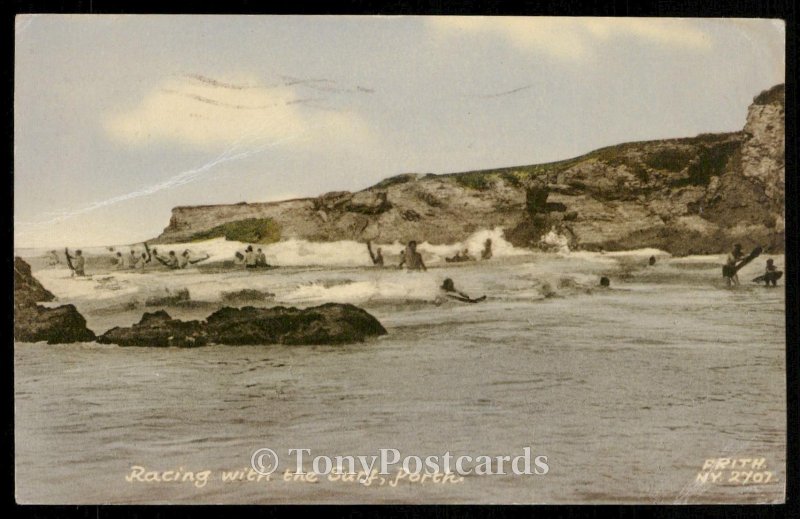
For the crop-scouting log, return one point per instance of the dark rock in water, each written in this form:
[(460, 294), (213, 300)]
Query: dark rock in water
[(59, 325), (246, 295), (331, 323), (34, 323), (157, 329), (27, 289)]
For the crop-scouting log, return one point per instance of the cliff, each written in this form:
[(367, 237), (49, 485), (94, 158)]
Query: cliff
[(686, 196)]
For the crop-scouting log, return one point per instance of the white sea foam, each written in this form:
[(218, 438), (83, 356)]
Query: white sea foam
[(555, 241), (102, 287), (313, 273), (346, 253)]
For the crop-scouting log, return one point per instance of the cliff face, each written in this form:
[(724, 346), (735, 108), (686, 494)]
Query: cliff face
[(686, 196), (763, 149)]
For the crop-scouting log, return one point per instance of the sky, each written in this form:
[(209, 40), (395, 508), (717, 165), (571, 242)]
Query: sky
[(120, 118)]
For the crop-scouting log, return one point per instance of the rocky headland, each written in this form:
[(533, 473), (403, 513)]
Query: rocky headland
[(693, 195)]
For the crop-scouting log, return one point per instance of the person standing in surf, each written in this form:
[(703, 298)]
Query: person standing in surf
[(250, 258), (771, 274), (486, 253), (411, 258), (729, 272), (261, 259), (377, 257), (78, 263), (133, 259), (53, 259)]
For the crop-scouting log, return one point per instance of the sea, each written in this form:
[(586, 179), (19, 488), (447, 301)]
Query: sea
[(666, 387)]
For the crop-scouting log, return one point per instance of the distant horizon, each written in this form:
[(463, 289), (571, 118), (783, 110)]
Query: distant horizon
[(223, 109)]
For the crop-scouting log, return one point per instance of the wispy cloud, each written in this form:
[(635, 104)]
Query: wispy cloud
[(574, 38), (207, 113), (245, 118)]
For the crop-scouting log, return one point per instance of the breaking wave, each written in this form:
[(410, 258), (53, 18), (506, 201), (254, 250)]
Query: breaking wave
[(347, 253)]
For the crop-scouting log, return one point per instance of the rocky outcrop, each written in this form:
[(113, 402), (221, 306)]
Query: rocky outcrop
[(330, 323), (686, 196), (157, 329), (27, 289), (246, 295), (34, 323), (60, 325)]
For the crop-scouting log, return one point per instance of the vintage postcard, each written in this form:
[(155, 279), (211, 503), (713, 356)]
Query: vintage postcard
[(399, 259)]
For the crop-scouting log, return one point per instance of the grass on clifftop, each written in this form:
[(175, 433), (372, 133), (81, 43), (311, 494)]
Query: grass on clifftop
[(251, 230), (482, 180), (673, 160), (773, 95), (397, 179), (710, 151), (475, 180)]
